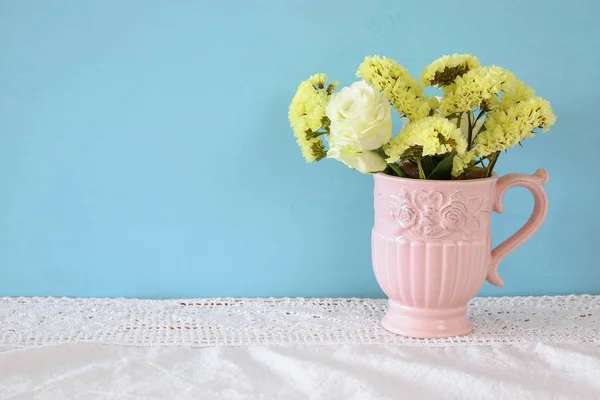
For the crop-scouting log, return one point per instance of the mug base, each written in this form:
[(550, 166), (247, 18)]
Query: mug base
[(426, 323)]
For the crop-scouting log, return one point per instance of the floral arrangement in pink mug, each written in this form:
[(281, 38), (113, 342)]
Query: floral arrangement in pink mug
[(435, 189), (460, 135)]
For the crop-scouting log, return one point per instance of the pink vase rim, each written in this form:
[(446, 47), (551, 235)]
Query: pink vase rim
[(381, 175)]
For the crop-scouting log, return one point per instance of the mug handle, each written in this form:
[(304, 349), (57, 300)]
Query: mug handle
[(535, 183)]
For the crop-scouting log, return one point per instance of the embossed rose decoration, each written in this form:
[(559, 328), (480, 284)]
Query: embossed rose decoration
[(430, 215)]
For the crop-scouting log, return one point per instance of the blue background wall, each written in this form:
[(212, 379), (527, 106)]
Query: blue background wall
[(145, 149)]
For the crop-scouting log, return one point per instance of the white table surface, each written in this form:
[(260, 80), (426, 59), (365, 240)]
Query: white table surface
[(49, 349)]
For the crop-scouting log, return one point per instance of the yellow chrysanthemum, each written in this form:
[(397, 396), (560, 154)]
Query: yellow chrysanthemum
[(461, 162), (506, 128), (472, 89), (395, 82), (425, 137), (307, 115), (443, 71)]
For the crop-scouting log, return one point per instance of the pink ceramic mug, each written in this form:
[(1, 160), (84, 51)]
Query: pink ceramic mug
[(432, 247)]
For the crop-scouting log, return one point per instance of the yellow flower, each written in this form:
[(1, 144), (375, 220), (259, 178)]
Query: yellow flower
[(312, 149), (506, 128), (425, 137), (307, 108), (307, 115), (472, 89), (434, 102), (318, 80), (396, 83), (461, 162), (443, 71), (515, 92)]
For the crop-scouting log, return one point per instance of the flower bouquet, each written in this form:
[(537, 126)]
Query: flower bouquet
[(460, 135), (435, 186)]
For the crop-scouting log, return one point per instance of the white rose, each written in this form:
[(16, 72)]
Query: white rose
[(365, 161), (360, 117)]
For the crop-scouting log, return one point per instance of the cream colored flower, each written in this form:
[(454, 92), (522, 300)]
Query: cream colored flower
[(360, 116), (443, 71), (396, 83), (428, 136), (366, 162)]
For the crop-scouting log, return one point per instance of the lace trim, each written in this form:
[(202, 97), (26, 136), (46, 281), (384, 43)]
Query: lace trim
[(241, 322)]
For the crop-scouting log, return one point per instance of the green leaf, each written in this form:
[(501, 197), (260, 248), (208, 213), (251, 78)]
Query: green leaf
[(428, 165), (396, 168), (421, 173), (442, 171)]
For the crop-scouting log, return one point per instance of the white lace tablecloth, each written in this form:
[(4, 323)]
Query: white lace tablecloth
[(521, 348), (241, 322)]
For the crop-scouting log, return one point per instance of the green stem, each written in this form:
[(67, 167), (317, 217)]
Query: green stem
[(312, 135), (477, 119), (381, 152), (421, 172), (469, 139), (492, 164), (479, 116), (397, 169), (479, 162)]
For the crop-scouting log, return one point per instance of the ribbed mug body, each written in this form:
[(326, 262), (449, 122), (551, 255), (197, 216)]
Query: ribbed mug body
[(431, 249)]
